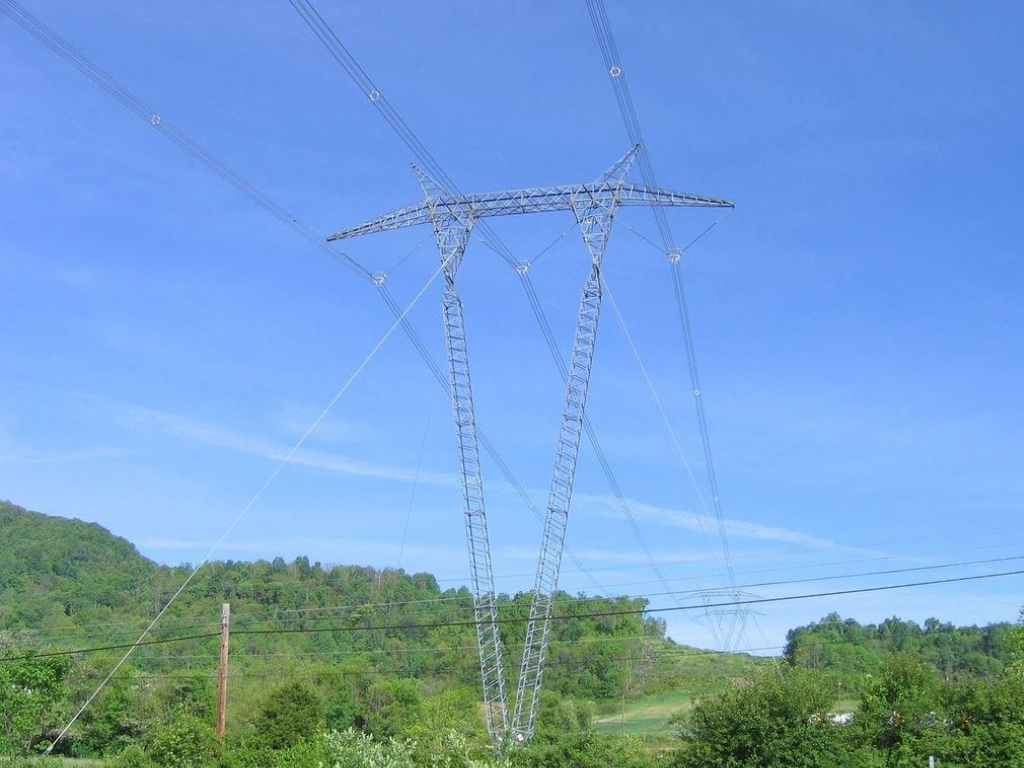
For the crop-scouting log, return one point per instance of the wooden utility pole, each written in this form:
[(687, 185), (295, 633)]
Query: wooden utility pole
[(222, 676)]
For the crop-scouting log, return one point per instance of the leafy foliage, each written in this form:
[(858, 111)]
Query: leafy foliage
[(290, 714), (30, 690), (187, 743), (399, 688), (779, 720), (849, 650)]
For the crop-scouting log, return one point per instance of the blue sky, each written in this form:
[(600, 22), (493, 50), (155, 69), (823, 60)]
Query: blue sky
[(858, 317)]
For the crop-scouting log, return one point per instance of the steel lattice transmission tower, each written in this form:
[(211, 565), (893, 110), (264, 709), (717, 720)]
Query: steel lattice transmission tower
[(453, 217)]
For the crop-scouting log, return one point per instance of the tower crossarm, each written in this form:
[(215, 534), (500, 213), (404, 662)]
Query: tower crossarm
[(639, 194), (533, 200)]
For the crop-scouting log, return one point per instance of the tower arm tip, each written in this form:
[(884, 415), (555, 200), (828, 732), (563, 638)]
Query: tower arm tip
[(410, 216), (640, 194)]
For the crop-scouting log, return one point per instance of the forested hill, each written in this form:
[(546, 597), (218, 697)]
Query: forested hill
[(52, 568), (850, 649), (388, 652), (69, 584)]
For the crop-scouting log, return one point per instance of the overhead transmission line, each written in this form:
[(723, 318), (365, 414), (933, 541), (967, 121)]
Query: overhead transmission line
[(752, 585), (21, 637), (524, 619), (657, 651), (966, 533), (659, 407), (668, 653), (627, 110), (652, 652), (145, 112), (245, 621)]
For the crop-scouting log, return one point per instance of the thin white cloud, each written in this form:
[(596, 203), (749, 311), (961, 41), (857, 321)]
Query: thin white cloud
[(208, 434), (608, 506), (295, 420)]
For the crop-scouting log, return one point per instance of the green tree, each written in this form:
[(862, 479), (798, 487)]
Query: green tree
[(352, 749), (187, 743), (900, 713), (1017, 644), (30, 692), (392, 707), (985, 723), (111, 722), (290, 714), (342, 708), (779, 720)]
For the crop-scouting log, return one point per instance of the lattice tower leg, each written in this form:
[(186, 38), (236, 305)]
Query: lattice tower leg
[(555, 523), (594, 216), (485, 607)]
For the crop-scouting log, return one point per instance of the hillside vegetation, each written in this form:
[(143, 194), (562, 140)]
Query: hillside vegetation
[(375, 637), (387, 661), (852, 651)]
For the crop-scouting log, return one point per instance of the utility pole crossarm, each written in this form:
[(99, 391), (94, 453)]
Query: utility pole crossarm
[(534, 200)]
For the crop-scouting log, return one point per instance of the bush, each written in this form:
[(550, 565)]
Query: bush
[(392, 707), (352, 749), (187, 743), (342, 709), (133, 756), (290, 714), (584, 749), (776, 721)]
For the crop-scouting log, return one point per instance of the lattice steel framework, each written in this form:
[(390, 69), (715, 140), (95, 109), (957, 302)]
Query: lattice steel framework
[(453, 217), (594, 213), (452, 227)]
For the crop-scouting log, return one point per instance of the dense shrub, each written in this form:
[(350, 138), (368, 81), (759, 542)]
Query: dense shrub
[(290, 714), (187, 743), (780, 720)]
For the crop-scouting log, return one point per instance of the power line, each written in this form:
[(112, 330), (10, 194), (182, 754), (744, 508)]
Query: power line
[(145, 112), (523, 619), (627, 110), (826, 545), (140, 109), (284, 616), (658, 407), (667, 653)]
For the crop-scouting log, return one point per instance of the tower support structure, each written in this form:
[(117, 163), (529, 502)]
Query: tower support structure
[(594, 214), (453, 217), (452, 228)]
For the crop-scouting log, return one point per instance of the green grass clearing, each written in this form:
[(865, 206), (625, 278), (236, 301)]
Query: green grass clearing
[(646, 716)]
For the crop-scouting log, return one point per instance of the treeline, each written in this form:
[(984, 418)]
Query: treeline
[(378, 646), (385, 661), (66, 584), (850, 650)]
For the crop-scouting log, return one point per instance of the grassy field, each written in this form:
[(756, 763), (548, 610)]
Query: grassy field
[(53, 762), (646, 716), (650, 715), (697, 674)]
